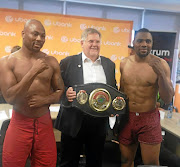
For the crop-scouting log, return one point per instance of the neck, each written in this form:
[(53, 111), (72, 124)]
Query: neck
[(28, 53), (141, 59)]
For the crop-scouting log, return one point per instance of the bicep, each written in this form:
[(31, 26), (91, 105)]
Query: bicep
[(57, 82), (7, 79), (167, 71)]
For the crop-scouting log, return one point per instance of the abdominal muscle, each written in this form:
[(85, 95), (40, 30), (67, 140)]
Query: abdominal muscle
[(34, 112), (141, 99)]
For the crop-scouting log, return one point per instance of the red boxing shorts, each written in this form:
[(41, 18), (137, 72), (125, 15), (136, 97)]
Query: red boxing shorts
[(142, 127), (32, 137)]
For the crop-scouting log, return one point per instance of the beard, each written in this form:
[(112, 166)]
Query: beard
[(143, 55)]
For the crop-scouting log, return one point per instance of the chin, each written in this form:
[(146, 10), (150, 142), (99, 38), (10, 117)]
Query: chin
[(36, 50), (140, 55), (94, 54)]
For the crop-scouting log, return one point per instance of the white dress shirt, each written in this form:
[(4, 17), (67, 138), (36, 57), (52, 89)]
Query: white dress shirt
[(92, 71)]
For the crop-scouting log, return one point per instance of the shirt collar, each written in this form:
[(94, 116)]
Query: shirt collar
[(85, 58)]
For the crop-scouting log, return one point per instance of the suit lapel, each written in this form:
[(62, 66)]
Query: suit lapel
[(79, 69), (105, 67)]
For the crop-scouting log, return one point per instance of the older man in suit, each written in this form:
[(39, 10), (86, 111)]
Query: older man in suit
[(78, 128)]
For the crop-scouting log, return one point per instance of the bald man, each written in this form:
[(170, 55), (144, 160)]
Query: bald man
[(30, 81)]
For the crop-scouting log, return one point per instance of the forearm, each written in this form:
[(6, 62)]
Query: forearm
[(166, 90), (54, 97)]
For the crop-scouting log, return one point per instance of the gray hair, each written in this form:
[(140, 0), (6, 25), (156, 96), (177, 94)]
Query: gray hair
[(88, 31)]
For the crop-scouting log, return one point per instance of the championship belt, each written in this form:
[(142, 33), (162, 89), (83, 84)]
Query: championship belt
[(99, 100)]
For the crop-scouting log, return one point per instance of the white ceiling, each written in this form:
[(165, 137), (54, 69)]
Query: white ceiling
[(162, 5)]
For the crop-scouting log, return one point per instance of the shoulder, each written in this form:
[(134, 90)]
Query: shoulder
[(126, 59), (164, 62), (107, 60), (70, 58), (52, 61), (8, 60), (50, 58)]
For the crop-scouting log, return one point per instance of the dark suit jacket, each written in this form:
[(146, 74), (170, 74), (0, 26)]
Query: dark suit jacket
[(69, 119)]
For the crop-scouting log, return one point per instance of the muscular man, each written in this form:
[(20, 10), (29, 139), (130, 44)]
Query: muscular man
[(30, 81), (142, 76), (78, 128)]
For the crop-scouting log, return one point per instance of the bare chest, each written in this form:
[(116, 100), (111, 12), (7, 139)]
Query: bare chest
[(140, 74), (22, 67)]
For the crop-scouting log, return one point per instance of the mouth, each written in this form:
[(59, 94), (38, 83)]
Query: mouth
[(143, 50), (37, 45), (94, 49)]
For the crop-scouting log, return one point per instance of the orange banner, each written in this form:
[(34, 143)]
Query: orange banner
[(63, 34)]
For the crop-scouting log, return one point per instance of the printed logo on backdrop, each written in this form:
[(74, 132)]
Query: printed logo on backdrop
[(115, 57), (49, 37), (10, 19), (65, 39), (111, 43), (84, 26), (48, 22), (46, 51), (8, 49), (7, 34), (55, 52), (118, 29)]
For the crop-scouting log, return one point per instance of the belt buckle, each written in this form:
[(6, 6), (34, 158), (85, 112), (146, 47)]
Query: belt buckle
[(137, 114)]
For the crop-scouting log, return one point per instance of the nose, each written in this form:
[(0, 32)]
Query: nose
[(39, 38), (144, 43), (95, 43)]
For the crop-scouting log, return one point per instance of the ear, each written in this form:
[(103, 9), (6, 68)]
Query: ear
[(22, 33), (82, 42)]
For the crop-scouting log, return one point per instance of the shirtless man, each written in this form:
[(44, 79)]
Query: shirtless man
[(30, 81), (142, 76)]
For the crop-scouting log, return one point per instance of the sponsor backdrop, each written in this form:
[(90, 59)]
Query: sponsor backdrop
[(163, 45), (63, 34)]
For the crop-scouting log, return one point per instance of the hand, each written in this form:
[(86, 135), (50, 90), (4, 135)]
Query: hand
[(112, 115), (35, 100), (40, 65), (156, 65), (70, 94)]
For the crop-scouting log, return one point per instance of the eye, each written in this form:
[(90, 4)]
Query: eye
[(35, 34), (148, 41), (90, 41), (139, 40), (43, 36)]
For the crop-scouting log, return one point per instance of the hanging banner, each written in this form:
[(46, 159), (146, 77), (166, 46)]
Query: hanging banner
[(163, 46), (177, 88), (63, 34)]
